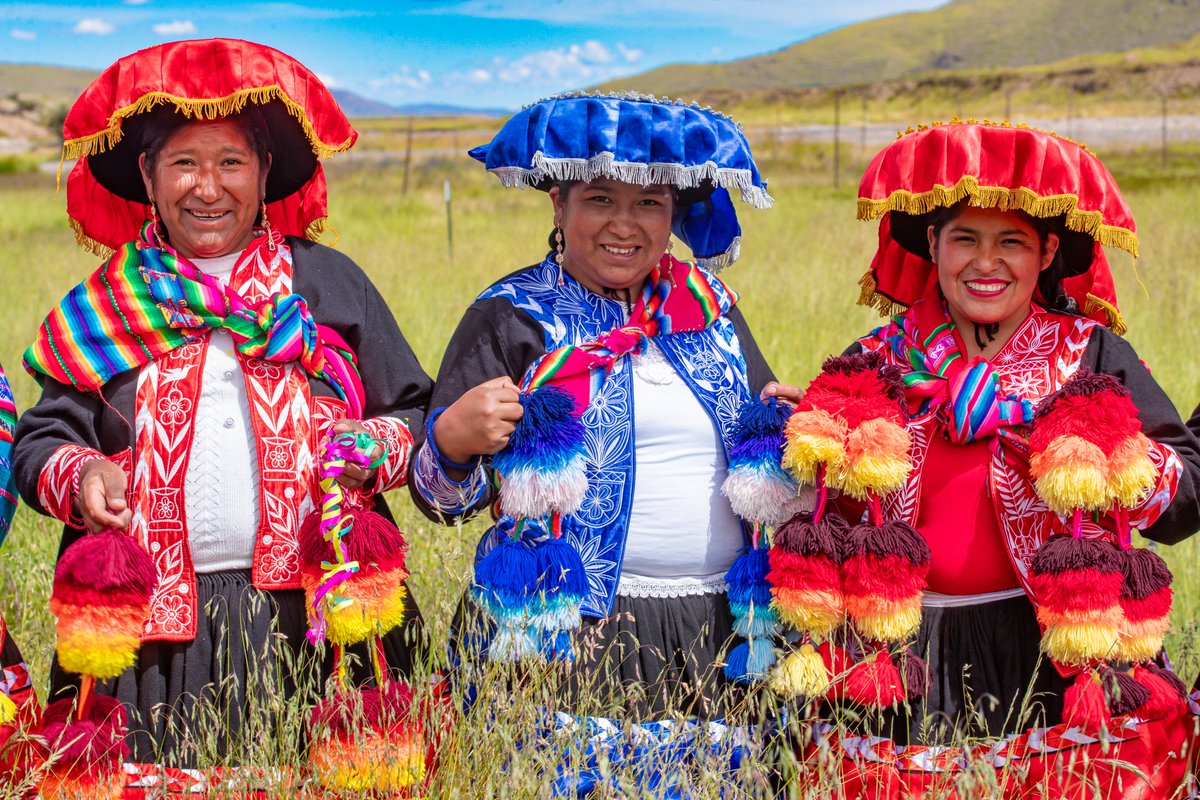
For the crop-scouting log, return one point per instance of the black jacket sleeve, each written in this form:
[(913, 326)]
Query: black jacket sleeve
[(758, 372), (1110, 354)]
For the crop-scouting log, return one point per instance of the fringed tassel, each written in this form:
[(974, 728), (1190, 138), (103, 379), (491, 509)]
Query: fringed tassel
[(1124, 693), (368, 741), (754, 618), (802, 672), (883, 579), (89, 752), (1077, 582), (1146, 599), (101, 599), (1085, 704), (805, 574), (875, 681), (534, 593), (760, 491), (1165, 692)]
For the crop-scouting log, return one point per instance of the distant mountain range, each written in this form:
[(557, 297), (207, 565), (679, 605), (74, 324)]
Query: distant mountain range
[(61, 85), (961, 35)]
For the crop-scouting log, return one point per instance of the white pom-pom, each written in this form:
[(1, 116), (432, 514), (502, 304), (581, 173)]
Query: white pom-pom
[(534, 492)]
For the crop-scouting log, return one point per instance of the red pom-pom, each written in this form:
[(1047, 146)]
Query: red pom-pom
[(92, 746), (1085, 704), (875, 682), (1093, 406), (1162, 697)]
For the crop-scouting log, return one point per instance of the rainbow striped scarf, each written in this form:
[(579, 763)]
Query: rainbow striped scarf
[(678, 297), (146, 300), (8, 427), (967, 395)]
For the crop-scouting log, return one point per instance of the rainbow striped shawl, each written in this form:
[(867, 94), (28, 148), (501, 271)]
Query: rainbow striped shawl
[(678, 297), (146, 300), (968, 395), (8, 426)]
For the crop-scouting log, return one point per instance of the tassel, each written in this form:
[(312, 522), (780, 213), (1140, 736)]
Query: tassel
[(1077, 582), (805, 576), (368, 741), (758, 488), (557, 596), (101, 599), (90, 751), (750, 602), (800, 673), (504, 581), (875, 681), (370, 597), (1161, 698), (916, 674), (543, 468), (1085, 705), (883, 579), (877, 458), (815, 439), (1169, 677), (1146, 599), (1125, 695)]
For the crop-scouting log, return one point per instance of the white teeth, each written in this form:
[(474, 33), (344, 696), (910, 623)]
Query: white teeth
[(620, 251), (987, 288)]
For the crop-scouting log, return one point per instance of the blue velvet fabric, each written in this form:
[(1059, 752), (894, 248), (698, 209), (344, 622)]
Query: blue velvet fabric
[(637, 140)]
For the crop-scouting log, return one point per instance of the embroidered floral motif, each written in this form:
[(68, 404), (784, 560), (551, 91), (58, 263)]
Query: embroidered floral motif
[(172, 615), (280, 562)]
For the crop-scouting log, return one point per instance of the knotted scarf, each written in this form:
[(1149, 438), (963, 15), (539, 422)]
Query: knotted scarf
[(146, 300), (678, 297), (967, 395)]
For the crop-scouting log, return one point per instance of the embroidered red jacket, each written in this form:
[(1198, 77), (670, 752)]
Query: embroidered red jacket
[(290, 412), (1045, 351)]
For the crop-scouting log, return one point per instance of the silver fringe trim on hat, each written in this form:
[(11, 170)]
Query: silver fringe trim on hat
[(605, 165), (715, 264)]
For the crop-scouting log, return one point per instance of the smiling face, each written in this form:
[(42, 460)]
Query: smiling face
[(207, 182), (614, 233), (988, 262)]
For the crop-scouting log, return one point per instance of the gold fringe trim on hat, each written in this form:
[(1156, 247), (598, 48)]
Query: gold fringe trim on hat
[(1005, 199), (318, 227), (871, 296), (1021, 126), (1116, 323), (206, 108)]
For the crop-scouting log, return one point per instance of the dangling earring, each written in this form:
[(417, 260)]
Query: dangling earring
[(153, 220), (670, 272), (558, 253), (266, 223)]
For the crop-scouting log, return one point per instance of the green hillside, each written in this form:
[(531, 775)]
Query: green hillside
[(963, 34), (62, 84)]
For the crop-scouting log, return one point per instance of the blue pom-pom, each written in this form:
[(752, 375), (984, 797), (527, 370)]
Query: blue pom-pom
[(752, 621), (560, 569), (750, 661), (506, 576), (761, 419), (747, 577), (547, 436), (557, 646)]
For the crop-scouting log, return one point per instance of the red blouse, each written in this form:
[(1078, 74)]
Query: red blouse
[(959, 523)]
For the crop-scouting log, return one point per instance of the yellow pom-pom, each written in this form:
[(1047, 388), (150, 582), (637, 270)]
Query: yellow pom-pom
[(801, 673), (1131, 473), (813, 438), (1071, 473), (817, 612), (1136, 649), (369, 614), (8, 709), (1080, 644), (370, 763), (102, 657)]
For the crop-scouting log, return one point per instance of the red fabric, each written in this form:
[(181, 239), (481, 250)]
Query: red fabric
[(958, 520), (189, 73)]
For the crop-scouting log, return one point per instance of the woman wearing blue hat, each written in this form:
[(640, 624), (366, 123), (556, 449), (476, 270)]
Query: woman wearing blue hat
[(605, 386)]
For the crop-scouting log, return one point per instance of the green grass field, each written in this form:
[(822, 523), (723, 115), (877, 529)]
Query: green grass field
[(798, 275)]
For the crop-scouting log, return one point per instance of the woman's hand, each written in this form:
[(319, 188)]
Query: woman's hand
[(792, 395), (479, 422), (353, 475), (101, 498)]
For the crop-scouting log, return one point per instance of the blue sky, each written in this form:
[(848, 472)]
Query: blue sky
[(479, 53)]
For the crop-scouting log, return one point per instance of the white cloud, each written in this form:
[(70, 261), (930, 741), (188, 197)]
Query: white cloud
[(178, 27), (628, 53), (24, 36), (479, 76), (96, 27), (404, 80), (328, 80), (572, 65)]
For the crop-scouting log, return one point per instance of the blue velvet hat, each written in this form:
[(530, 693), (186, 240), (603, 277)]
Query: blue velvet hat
[(641, 140)]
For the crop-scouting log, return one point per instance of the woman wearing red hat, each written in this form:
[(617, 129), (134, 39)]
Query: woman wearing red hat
[(997, 442), (189, 381)]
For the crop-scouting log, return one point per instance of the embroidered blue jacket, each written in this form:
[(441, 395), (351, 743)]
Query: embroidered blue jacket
[(535, 310)]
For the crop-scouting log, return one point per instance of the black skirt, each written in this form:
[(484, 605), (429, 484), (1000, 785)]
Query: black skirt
[(651, 657), (242, 688), (988, 677)]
